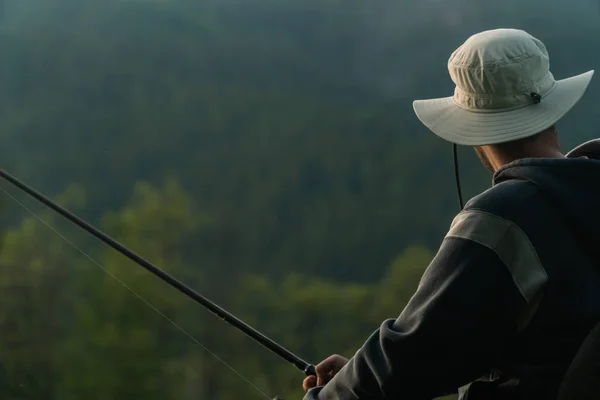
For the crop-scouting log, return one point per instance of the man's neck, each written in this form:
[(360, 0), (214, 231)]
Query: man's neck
[(500, 160)]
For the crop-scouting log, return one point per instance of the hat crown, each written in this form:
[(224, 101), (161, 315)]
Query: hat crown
[(500, 69)]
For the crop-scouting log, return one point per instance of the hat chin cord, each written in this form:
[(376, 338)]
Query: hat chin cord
[(457, 176)]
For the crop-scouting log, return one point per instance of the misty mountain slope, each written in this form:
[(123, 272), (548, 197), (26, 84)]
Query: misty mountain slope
[(291, 121)]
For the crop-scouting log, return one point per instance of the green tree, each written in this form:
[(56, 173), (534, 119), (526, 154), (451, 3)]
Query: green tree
[(36, 270), (122, 347)]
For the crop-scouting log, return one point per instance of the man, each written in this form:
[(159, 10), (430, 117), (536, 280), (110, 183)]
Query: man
[(515, 287)]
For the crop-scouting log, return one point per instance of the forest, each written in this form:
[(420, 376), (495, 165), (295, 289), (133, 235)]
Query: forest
[(264, 152)]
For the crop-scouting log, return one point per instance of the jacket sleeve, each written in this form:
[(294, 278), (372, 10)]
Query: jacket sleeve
[(467, 307)]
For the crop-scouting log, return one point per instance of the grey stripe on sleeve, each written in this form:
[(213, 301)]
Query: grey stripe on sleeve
[(509, 242)]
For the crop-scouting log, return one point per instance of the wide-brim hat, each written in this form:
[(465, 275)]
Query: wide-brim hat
[(504, 91)]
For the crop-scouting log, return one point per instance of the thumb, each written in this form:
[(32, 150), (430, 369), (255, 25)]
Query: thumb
[(309, 383)]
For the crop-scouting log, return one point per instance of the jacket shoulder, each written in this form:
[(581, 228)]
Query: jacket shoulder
[(513, 199)]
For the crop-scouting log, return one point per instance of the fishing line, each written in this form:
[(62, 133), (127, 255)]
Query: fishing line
[(136, 294), (229, 318)]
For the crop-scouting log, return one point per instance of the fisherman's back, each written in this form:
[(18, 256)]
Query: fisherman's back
[(541, 205)]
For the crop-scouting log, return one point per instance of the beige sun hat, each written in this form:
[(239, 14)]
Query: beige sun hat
[(504, 91)]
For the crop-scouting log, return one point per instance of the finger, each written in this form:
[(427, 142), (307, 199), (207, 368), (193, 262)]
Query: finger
[(324, 379), (323, 375), (322, 369), (309, 383), (326, 366), (331, 364)]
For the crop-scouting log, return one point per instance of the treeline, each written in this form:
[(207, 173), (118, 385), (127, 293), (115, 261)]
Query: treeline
[(76, 325)]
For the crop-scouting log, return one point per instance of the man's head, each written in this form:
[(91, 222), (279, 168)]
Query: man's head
[(506, 101), (542, 145)]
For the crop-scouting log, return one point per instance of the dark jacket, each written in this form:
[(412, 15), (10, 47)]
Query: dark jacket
[(508, 299)]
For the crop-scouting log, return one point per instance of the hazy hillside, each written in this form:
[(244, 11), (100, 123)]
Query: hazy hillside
[(289, 120)]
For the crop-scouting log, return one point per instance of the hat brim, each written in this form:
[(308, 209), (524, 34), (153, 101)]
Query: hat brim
[(457, 125)]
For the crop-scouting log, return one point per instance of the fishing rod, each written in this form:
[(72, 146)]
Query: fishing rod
[(307, 368)]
